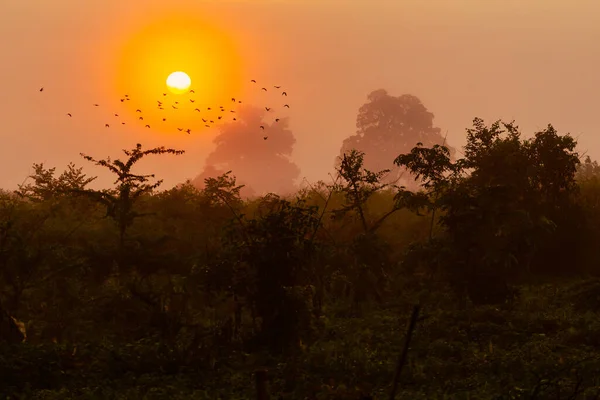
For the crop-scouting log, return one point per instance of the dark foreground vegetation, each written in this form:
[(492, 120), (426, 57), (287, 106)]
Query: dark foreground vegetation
[(132, 292)]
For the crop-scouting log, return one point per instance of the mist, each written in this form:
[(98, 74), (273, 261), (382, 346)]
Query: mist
[(533, 62)]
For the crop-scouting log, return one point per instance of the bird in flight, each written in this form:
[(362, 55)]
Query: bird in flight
[(265, 89), (116, 115), (69, 114), (233, 99), (96, 105), (284, 94), (164, 94), (179, 129), (41, 89), (138, 110), (262, 127), (253, 81), (197, 109), (276, 119), (147, 126), (175, 107), (191, 100), (285, 105), (164, 119), (141, 118), (192, 91), (122, 100), (107, 125), (267, 108), (265, 137), (189, 131)]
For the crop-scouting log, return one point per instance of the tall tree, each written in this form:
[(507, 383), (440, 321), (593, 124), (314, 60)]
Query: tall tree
[(129, 188), (388, 126), (263, 164)]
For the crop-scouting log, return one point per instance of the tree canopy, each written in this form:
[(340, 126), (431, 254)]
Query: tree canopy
[(263, 165), (389, 125)]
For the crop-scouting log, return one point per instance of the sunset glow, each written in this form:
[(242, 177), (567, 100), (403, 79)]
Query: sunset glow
[(192, 53)]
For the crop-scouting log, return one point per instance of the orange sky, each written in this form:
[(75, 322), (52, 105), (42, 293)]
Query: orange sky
[(535, 61)]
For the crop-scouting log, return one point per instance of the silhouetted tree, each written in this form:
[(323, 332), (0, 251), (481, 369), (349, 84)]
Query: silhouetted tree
[(45, 186), (388, 126), (210, 172), (262, 164), (500, 204), (130, 187)]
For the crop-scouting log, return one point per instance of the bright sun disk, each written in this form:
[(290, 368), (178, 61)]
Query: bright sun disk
[(178, 82)]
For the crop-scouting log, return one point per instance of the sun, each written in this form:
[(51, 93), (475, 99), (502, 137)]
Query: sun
[(167, 55), (178, 82)]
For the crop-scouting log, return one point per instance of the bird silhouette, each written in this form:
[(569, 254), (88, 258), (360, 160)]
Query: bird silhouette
[(141, 118), (164, 119), (203, 120), (277, 87), (41, 89), (262, 127), (240, 102), (220, 116), (208, 108), (284, 94), (267, 108), (147, 126), (138, 110), (211, 121), (276, 119), (253, 81), (69, 114), (191, 100), (233, 99), (189, 131), (265, 137), (176, 102), (122, 100), (196, 109), (122, 123), (192, 91), (265, 89), (126, 95), (235, 119), (96, 105), (116, 115), (285, 105), (175, 107), (107, 125), (164, 94), (179, 129), (208, 126)]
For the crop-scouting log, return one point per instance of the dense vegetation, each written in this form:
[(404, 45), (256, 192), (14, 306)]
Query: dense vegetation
[(132, 292)]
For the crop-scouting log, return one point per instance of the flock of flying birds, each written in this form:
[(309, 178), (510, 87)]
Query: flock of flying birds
[(176, 106)]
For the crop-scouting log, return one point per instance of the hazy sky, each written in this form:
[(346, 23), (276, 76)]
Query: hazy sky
[(535, 61)]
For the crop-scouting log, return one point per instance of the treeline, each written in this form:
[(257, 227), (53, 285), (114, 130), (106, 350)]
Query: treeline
[(204, 277)]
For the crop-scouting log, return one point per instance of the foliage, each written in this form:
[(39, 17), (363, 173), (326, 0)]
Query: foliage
[(317, 287)]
